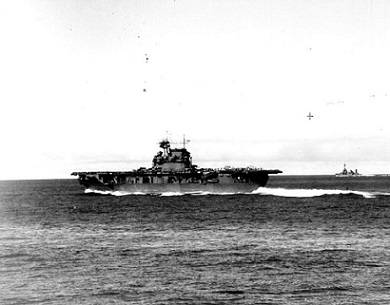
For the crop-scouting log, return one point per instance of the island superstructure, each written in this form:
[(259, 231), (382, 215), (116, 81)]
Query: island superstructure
[(172, 171)]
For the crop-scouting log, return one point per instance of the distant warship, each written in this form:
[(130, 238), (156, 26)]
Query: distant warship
[(172, 171), (348, 173)]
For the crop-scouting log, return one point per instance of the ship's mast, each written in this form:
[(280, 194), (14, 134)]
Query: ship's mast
[(185, 141)]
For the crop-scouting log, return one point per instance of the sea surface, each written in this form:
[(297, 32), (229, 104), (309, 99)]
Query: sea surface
[(300, 240)]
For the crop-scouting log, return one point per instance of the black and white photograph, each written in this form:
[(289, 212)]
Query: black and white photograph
[(165, 152)]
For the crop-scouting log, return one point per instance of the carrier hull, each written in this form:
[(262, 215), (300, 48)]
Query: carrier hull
[(147, 183), (177, 188)]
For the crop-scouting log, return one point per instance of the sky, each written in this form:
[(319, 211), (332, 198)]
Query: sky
[(95, 84)]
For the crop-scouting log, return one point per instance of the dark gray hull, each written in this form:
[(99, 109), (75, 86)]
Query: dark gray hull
[(133, 183), (176, 188)]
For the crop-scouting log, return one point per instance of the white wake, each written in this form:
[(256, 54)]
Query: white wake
[(113, 193), (307, 193), (265, 191)]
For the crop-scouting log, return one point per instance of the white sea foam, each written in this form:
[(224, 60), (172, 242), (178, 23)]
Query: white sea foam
[(163, 194), (280, 192), (305, 193), (205, 193), (88, 191), (168, 194), (113, 193)]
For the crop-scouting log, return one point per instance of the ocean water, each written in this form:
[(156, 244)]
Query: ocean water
[(300, 240)]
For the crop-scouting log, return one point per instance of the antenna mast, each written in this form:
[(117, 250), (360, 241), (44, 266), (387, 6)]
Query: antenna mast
[(185, 141)]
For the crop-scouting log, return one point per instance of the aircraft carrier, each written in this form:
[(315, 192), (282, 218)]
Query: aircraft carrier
[(172, 171)]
